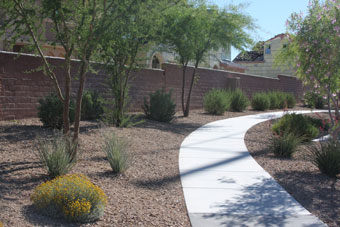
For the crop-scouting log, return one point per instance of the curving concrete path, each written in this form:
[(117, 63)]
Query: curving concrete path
[(224, 186)]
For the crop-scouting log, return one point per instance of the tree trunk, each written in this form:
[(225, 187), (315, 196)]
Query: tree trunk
[(78, 104), (66, 111), (187, 107), (183, 86)]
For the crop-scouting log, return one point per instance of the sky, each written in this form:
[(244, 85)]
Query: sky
[(269, 15)]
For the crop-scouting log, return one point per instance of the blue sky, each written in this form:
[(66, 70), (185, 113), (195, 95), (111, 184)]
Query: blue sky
[(269, 15)]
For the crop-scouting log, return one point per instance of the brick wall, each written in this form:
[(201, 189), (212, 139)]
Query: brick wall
[(21, 85)]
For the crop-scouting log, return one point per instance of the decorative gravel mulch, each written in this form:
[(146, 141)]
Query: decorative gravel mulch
[(315, 191), (149, 193)]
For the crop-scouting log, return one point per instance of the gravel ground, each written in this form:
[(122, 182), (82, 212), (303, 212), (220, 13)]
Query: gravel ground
[(316, 192), (149, 193)]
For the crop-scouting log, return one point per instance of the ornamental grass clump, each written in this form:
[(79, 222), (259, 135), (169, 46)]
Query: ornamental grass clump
[(72, 197), (216, 101), (58, 156), (116, 150), (326, 157), (284, 145)]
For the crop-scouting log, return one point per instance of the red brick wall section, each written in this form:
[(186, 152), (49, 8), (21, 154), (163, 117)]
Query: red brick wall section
[(21, 86)]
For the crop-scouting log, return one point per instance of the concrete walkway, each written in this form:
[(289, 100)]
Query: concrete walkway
[(224, 186)]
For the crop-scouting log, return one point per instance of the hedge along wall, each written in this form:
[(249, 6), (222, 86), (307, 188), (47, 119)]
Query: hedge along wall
[(21, 86)]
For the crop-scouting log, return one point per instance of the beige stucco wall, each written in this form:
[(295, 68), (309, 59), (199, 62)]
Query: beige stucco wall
[(266, 68)]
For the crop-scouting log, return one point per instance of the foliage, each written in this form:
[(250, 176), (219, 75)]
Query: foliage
[(296, 124), (216, 101), (116, 153), (194, 28), (58, 156), (92, 106), (50, 111), (160, 106), (123, 46), (313, 50), (314, 100), (284, 145), (290, 100), (327, 157), (260, 101), (238, 101), (73, 197), (76, 26), (274, 100)]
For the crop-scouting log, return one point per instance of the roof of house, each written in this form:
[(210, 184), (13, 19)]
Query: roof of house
[(249, 56)]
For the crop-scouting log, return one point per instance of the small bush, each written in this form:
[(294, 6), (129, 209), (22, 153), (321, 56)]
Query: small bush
[(284, 145), (50, 111), (216, 102), (73, 197), (238, 101), (116, 153), (290, 100), (160, 106), (313, 100), (274, 100), (299, 125), (92, 106), (327, 157), (260, 101), (58, 156)]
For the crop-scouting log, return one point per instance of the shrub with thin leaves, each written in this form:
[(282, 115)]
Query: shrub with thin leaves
[(238, 101), (326, 156), (92, 106), (57, 156), (72, 197), (313, 100), (216, 101), (260, 101), (116, 150), (274, 100), (160, 106), (290, 100), (50, 111), (284, 145), (297, 124)]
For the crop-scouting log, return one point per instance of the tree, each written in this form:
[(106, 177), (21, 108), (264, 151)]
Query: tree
[(193, 29), (314, 50), (77, 27), (123, 44)]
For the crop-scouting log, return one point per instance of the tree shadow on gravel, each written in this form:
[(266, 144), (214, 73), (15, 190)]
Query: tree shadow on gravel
[(18, 133), (32, 216), (178, 128)]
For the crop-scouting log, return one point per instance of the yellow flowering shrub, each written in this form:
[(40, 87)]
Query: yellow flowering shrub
[(73, 197)]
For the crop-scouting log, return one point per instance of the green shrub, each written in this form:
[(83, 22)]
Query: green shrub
[(216, 102), (313, 100), (50, 111), (284, 145), (116, 153), (282, 102), (260, 101), (274, 100), (299, 125), (290, 100), (160, 106), (92, 106), (58, 156), (73, 197), (327, 157), (238, 101)]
